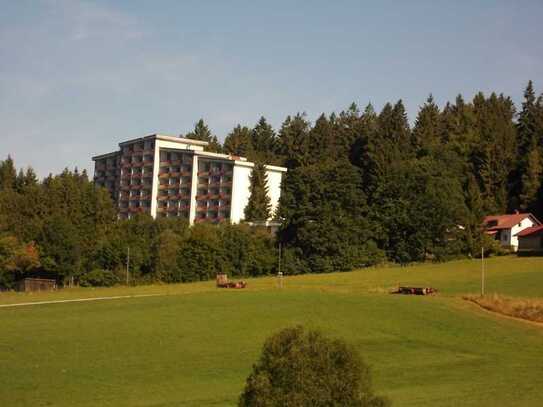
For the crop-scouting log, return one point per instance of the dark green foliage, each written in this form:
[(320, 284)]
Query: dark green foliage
[(526, 182), (361, 187), (259, 206), (238, 141), (249, 251), (263, 143), (201, 132), (294, 142), (98, 278), (8, 174), (304, 368), (325, 214), (419, 208), (426, 135)]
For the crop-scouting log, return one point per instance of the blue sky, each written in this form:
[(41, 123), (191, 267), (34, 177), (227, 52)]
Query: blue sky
[(77, 77)]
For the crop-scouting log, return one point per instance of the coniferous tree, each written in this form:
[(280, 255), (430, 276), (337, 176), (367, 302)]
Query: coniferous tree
[(492, 157), (526, 180), (8, 174), (264, 143), (259, 206), (426, 135), (238, 141), (293, 144), (201, 132)]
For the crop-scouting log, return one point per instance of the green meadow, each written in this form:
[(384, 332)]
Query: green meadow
[(194, 344)]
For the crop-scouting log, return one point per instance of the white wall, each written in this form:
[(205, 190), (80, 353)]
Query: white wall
[(274, 188), (177, 145), (241, 184), (526, 223)]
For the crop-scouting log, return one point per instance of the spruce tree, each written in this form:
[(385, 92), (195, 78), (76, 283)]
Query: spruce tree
[(259, 206), (8, 174), (264, 143), (293, 144), (527, 178), (426, 133), (201, 132), (238, 141)]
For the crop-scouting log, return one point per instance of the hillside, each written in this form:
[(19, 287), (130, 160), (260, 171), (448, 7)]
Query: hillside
[(193, 344)]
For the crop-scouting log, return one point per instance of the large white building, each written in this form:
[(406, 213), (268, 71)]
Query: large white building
[(169, 176)]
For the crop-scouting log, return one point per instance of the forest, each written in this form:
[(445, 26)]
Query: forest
[(363, 187)]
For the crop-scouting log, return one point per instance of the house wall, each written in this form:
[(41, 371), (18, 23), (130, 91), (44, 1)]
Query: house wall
[(274, 188), (525, 223), (240, 191), (532, 242)]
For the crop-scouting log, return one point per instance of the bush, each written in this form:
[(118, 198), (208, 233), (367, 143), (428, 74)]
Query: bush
[(98, 278), (299, 368)]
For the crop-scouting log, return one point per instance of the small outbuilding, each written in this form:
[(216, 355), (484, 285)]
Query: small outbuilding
[(37, 284), (506, 228), (530, 241)]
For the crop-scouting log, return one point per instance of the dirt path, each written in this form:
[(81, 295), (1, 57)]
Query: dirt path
[(116, 297)]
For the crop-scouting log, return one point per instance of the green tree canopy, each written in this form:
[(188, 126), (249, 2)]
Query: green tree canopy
[(304, 368), (259, 206)]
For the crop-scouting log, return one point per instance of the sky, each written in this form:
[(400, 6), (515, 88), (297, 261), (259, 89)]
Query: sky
[(78, 77)]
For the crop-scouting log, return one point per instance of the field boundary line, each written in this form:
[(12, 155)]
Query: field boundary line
[(500, 315), (114, 297)]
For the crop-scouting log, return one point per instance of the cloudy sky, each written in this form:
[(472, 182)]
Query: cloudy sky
[(77, 77)]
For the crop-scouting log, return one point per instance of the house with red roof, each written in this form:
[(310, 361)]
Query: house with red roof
[(505, 228), (530, 240)]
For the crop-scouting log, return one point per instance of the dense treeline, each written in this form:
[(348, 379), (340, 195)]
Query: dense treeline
[(362, 187)]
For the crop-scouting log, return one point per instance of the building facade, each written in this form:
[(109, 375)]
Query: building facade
[(505, 228), (167, 176)]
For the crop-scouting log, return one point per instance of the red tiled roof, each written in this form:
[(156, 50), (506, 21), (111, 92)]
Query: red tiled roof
[(530, 231), (497, 222)]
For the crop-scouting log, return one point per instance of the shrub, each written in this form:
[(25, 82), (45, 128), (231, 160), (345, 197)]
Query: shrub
[(98, 278), (303, 368)]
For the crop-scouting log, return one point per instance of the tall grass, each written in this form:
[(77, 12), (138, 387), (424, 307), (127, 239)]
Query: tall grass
[(525, 308)]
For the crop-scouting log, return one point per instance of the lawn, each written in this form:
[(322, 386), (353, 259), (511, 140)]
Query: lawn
[(194, 345)]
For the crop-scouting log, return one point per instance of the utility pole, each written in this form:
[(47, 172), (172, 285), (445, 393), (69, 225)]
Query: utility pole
[(482, 272), (279, 274), (127, 264), (279, 265)]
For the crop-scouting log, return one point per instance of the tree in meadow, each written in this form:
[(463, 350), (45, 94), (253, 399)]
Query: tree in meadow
[(301, 367)]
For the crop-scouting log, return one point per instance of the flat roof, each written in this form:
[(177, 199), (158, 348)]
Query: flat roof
[(106, 155), (175, 139)]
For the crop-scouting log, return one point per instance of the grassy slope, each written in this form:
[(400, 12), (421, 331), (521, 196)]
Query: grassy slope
[(197, 349)]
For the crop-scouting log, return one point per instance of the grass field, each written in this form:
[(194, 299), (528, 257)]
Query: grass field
[(195, 344)]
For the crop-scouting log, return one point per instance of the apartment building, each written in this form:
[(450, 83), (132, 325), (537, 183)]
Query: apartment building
[(169, 176)]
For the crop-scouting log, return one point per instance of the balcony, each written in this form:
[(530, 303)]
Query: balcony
[(138, 186), (202, 197)]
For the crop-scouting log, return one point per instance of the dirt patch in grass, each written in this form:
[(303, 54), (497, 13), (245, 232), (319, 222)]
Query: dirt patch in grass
[(526, 308)]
